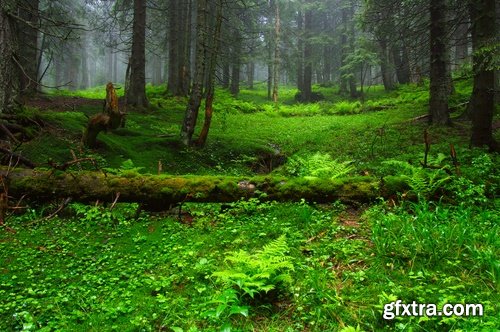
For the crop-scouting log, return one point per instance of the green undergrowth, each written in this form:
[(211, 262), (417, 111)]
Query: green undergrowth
[(248, 132), (248, 266), (255, 265)]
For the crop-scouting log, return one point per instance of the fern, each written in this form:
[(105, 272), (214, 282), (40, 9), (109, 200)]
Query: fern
[(422, 182), (319, 165), (268, 269)]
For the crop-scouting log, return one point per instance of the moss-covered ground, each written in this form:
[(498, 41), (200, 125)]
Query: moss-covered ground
[(255, 265)]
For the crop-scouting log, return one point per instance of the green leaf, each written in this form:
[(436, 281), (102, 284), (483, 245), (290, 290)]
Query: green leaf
[(236, 309)]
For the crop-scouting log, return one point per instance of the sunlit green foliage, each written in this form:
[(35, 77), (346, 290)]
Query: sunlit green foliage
[(93, 268)]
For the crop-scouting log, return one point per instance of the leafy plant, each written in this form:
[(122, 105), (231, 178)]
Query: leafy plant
[(423, 182), (127, 169), (320, 165), (268, 269), (227, 305)]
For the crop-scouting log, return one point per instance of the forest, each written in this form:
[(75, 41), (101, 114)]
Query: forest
[(249, 165)]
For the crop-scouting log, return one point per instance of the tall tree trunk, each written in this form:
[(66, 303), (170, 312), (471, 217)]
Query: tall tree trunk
[(179, 47), (9, 79), (28, 50), (136, 94), (439, 84), (306, 93), (385, 66), (109, 63), (482, 13), (236, 65), (191, 114), (173, 51), (343, 49), (115, 66), (250, 74), (212, 66), (186, 50), (401, 61), (226, 74), (300, 52), (85, 80), (352, 31), (276, 64), (72, 64), (461, 43)]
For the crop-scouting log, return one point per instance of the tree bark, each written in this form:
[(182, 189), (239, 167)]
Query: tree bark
[(385, 66), (191, 114), (136, 92), (439, 59), (401, 61), (236, 65), (276, 64), (300, 52), (179, 47), (160, 192), (482, 13), (250, 74), (28, 50), (9, 79), (85, 80), (111, 119), (306, 93), (214, 52)]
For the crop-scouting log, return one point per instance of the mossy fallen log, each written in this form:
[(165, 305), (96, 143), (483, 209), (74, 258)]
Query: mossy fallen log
[(161, 192)]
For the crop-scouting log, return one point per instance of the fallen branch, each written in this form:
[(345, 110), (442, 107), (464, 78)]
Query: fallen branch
[(161, 192), (26, 162)]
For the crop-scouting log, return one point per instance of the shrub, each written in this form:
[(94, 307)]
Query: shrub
[(346, 107)]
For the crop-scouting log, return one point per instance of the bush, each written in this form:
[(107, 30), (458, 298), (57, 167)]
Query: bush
[(346, 107)]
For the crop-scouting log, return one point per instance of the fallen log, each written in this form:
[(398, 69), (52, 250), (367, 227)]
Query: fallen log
[(160, 192)]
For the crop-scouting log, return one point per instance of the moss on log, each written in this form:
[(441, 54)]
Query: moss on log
[(160, 192)]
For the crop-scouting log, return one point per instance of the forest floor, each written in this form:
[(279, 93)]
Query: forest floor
[(254, 265)]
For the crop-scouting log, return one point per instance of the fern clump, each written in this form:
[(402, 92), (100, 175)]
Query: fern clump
[(423, 182), (318, 165), (250, 279), (269, 269)]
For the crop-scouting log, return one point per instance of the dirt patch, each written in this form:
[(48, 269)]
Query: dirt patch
[(350, 218)]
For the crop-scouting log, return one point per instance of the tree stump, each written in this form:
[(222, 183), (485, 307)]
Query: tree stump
[(110, 119)]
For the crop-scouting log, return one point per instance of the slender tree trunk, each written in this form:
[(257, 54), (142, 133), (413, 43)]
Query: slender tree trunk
[(179, 47), (343, 50), (9, 79), (173, 34), (306, 93), (214, 52), (226, 74), (109, 63), (439, 84), (482, 13), (236, 65), (250, 74), (385, 66), (191, 114), (352, 35), (136, 94), (115, 66), (186, 50), (28, 41), (85, 80), (276, 64), (461, 43), (401, 61), (300, 51)]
